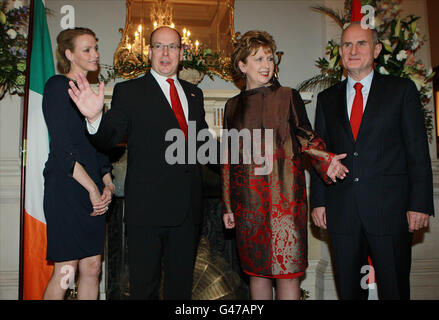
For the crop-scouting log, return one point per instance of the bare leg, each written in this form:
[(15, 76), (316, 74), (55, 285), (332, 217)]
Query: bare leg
[(88, 280), (288, 289), (63, 277), (261, 288)]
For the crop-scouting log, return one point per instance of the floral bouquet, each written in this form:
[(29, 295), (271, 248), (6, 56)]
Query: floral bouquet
[(400, 39), (202, 60), (398, 57), (13, 49)]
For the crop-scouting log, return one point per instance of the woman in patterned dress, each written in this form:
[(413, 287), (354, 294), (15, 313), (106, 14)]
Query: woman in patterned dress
[(269, 209)]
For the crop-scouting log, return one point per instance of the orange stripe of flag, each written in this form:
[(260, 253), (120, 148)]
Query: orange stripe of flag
[(36, 269)]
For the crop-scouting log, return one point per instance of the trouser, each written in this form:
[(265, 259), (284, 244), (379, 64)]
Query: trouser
[(391, 260), (173, 247)]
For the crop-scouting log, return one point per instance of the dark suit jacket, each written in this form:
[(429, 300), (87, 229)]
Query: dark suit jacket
[(389, 164), (156, 193)]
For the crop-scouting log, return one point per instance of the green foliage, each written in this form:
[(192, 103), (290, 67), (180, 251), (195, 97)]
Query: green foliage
[(202, 60), (13, 49)]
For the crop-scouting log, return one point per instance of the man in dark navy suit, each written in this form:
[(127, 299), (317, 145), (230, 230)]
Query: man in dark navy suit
[(163, 201), (378, 121)]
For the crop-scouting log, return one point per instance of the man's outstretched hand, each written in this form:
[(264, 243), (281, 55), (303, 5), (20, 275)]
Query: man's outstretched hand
[(88, 102)]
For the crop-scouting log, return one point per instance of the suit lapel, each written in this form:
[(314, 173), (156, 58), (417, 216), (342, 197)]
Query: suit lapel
[(160, 103), (163, 105), (372, 107), (342, 110), (157, 90), (190, 96)]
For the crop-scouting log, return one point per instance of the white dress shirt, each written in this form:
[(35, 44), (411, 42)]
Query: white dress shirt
[(166, 90), (165, 86), (350, 91)]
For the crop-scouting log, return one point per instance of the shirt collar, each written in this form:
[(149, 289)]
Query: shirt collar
[(162, 79), (366, 82)]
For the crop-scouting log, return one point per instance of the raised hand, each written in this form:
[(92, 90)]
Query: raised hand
[(88, 102), (336, 168)]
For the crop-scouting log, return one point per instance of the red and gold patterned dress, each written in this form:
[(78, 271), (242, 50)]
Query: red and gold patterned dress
[(271, 210)]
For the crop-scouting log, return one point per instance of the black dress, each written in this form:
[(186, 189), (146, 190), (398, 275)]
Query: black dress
[(72, 233)]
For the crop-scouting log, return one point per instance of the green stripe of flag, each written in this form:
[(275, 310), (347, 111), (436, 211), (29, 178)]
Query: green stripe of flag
[(41, 63)]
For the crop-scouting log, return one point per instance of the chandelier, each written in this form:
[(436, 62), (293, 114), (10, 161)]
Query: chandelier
[(209, 23), (161, 14)]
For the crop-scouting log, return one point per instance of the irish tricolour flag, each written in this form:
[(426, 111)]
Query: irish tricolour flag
[(36, 271)]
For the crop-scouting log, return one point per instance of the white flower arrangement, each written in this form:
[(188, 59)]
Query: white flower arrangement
[(12, 34), (383, 70), (401, 55)]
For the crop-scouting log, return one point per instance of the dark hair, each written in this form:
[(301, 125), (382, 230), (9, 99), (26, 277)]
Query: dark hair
[(248, 44), (165, 27), (66, 40)]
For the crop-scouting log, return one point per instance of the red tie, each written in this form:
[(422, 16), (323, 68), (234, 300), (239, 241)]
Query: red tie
[(177, 108), (357, 110)]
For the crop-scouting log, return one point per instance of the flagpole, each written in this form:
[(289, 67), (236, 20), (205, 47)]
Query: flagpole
[(24, 145)]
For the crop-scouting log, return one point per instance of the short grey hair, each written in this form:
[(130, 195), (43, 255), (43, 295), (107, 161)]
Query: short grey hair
[(375, 37)]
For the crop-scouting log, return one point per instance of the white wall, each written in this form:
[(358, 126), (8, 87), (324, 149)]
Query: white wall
[(10, 140), (104, 17)]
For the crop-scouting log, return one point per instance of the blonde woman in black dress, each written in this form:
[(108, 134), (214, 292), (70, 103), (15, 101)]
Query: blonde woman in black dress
[(78, 184)]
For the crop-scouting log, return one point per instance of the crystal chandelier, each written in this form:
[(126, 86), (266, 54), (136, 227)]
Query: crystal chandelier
[(161, 14)]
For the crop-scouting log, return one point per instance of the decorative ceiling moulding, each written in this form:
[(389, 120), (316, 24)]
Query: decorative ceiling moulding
[(206, 27)]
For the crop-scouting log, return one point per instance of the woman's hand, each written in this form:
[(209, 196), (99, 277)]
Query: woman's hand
[(229, 220), (107, 194), (336, 168), (99, 206)]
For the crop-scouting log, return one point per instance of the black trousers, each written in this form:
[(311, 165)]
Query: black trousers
[(391, 259), (175, 247)]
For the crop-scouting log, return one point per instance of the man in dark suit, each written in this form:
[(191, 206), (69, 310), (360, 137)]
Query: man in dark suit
[(163, 201), (377, 120)]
